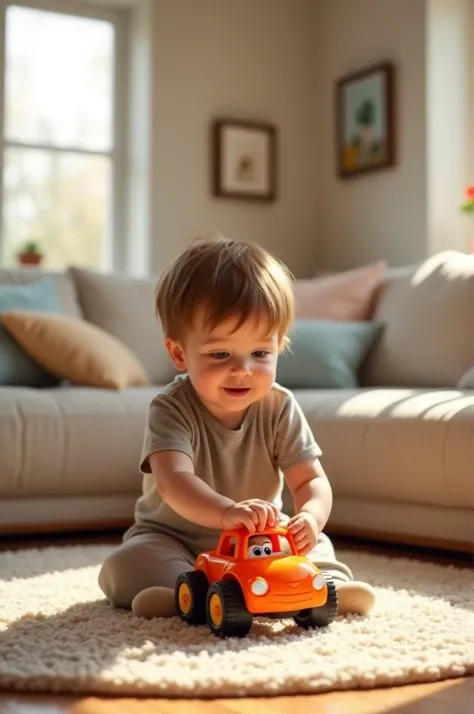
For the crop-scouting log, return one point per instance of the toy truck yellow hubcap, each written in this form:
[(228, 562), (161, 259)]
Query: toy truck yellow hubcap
[(184, 598), (215, 610)]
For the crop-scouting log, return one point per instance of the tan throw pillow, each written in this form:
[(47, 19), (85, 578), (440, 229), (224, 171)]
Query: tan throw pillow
[(73, 349), (429, 316), (346, 296)]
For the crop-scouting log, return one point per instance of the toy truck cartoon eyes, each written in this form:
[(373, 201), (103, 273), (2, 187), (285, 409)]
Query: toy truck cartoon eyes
[(251, 575)]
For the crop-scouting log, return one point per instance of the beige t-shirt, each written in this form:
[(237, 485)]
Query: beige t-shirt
[(243, 463)]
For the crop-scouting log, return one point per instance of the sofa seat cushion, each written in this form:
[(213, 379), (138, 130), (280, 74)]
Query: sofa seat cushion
[(409, 445), (67, 441)]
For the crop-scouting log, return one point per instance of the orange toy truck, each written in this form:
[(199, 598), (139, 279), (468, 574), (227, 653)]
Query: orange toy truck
[(260, 574)]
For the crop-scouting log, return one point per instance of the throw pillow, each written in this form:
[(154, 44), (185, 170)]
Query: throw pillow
[(73, 349), (346, 296), (326, 354), (62, 281), (16, 367), (467, 380), (124, 306), (429, 314)]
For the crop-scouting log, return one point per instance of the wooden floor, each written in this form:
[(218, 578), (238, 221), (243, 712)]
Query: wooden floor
[(451, 696)]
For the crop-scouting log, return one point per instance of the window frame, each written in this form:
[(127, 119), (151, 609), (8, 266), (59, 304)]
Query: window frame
[(115, 249)]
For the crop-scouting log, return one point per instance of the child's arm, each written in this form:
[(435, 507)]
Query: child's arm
[(312, 498), (193, 499)]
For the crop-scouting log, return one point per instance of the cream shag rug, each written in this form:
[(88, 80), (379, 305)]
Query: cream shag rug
[(58, 634)]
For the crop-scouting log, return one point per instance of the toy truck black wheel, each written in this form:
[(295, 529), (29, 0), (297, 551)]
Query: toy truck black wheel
[(190, 597), (320, 616), (227, 615)]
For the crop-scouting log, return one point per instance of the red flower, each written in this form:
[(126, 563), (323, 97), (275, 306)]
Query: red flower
[(469, 192)]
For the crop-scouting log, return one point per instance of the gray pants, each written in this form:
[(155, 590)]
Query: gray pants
[(151, 559)]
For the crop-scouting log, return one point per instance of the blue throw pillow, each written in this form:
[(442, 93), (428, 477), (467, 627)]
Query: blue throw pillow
[(326, 354), (16, 367)]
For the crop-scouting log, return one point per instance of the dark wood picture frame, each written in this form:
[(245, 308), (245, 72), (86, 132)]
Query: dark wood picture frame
[(230, 139), (365, 121)]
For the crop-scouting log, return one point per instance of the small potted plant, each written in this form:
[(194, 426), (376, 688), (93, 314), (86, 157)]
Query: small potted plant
[(468, 207), (30, 253)]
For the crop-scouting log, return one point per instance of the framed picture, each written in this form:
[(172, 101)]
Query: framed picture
[(244, 159), (365, 116)]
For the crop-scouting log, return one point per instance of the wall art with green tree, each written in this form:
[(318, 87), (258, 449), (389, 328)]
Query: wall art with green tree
[(365, 121)]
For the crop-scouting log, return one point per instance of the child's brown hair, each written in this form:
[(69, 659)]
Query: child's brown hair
[(225, 278)]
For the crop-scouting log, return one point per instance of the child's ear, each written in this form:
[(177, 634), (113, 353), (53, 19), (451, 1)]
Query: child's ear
[(176, 353)]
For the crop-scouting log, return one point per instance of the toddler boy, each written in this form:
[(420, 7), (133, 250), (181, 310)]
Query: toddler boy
[(221, 438)]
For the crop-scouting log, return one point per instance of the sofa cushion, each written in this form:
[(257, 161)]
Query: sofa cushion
[(73, 349), (76, 441), (16, 366), (415, 445), (325, 354), (428, 340), (125, 307), (63, 283), (343, 296)]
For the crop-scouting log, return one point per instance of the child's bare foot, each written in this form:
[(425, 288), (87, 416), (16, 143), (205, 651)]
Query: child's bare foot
[(154, 602), (354, 597)]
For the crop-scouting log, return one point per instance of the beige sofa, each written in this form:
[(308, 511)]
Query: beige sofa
[(399, 449)]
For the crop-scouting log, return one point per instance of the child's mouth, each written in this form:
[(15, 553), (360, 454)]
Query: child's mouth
[(237, 391)]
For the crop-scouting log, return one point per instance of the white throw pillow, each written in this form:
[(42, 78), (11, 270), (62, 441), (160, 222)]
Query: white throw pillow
[(467, 380), (124, 306), (428, 340)]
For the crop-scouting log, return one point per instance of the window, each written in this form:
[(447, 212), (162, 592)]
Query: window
[(62, 124)]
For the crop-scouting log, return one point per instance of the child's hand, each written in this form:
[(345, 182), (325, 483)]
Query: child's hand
[(254, 514), (304, 529)]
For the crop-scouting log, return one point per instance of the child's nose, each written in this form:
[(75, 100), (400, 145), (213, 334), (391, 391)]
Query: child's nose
[(242, 366)]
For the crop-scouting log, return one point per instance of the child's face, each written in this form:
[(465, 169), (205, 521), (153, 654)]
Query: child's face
[(229, 369)]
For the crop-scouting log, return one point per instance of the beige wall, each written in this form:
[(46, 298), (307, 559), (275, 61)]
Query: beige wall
[(278, 60), (247, 59), (411, 211), (450, 62), (382, 215)]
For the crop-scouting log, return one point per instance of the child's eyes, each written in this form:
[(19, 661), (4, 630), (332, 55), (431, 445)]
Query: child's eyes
[(258, 354)]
